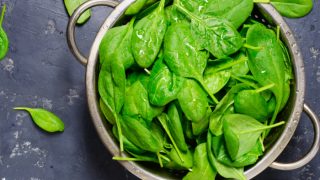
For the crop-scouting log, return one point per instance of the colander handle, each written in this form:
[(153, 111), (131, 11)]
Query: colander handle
[(72, 24), (312, 152)]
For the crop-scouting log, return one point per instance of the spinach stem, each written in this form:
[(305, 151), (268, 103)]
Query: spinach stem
[(186, 12), (214, 99), (147, 71), (251, 47), (119, 132), (278, 33), (264, 128), (126, 159), (261, 1), (244, 81), (229, 65), (159, 158), (165, 127), (264, 88), (2, 14)]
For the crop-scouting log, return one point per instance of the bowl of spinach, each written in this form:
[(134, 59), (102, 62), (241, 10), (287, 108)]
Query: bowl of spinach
[(195, 89)]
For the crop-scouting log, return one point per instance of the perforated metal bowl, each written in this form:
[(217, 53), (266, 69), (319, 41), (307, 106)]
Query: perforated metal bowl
[(291, 114)]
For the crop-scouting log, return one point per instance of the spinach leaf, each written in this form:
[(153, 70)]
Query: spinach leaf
[(136, 132), (235, 11), (148, 36), (184, 162), (247, 159), (164, 85), (200, 127), (267, 63), (217, 74), (223, 170), (175, 127), (193, 100), (227, 101), (241, 133), (252, 103), (288, 75), (44, 119), (216, 35), (137, 103), (116, 45), (135, 7), (240, 69), (173, 15), (182, 56), (195, 6), (106, 112), (72, 5), (4, 41), (293, 8), (128, 145), (201, 169)]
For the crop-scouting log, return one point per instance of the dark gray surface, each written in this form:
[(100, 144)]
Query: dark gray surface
[(40, 71)]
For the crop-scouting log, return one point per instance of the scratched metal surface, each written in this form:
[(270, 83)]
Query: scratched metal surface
[(39, 71)]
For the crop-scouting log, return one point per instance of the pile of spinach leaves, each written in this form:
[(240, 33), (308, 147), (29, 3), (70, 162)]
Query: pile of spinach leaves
[(193, 85)]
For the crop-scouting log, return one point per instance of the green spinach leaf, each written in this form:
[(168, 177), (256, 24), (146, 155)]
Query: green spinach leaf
[(193, 101), (44, 119), (4, 41), (216, 35), (267, 63), (293, 8), (201, 169), (241, 133), (72, 5), (164, 85), (148, 36)]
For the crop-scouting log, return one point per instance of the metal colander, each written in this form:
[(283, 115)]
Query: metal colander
[(266, 14)]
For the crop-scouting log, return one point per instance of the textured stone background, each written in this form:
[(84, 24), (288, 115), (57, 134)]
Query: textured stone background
[(40, 71)]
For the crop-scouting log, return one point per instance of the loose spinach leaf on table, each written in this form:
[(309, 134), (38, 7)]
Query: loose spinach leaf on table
[(44, 119), (148, 36), (72, 5), (4, 41), (201, 169), (293, 8)]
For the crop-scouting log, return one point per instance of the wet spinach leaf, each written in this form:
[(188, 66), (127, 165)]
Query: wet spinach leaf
[(164, 85), (267, 62), (148, 36), (216, 35)]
